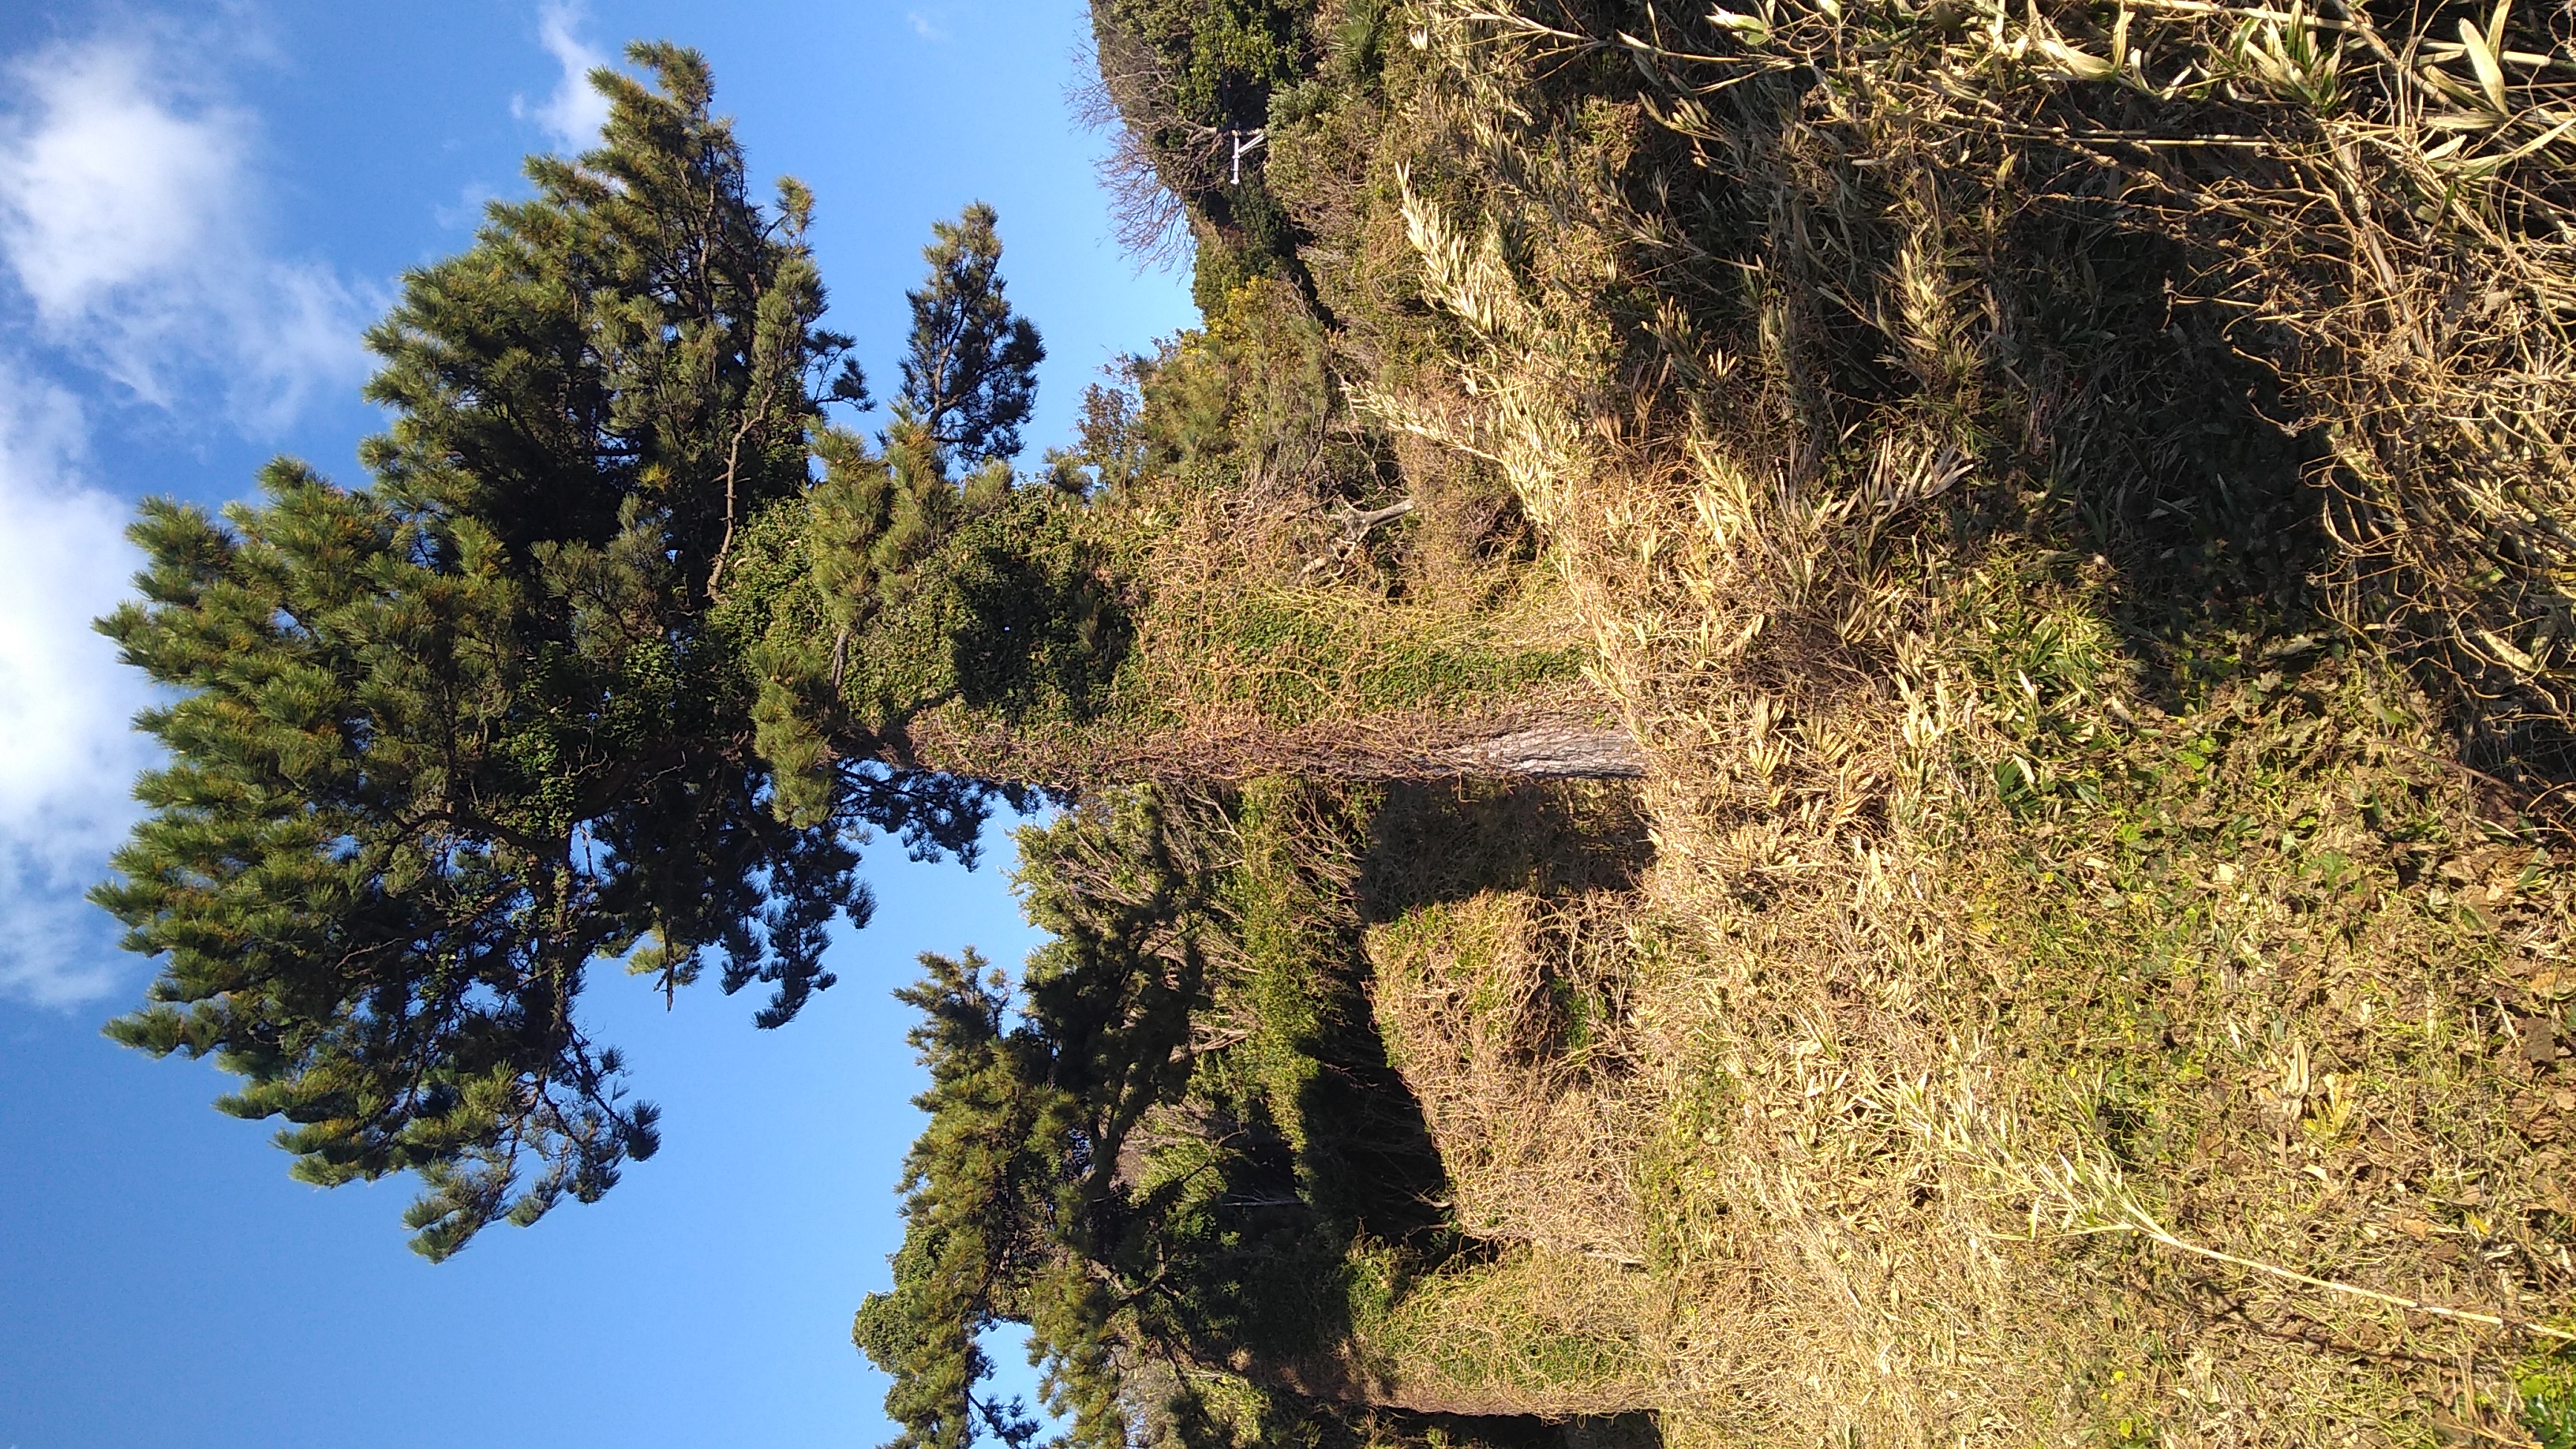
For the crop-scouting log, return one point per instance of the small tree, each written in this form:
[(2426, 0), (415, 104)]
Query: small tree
[(1177, 1153), (1012, 1200), (977, 1183)]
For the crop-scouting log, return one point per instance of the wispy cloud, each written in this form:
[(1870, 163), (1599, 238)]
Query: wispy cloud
[(923, 26), (67, 757), (473, 201), (127, 220), (132, 253), (573, 115)]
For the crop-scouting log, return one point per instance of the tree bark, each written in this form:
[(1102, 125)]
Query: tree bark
[(1548, 748), (1534, 744)]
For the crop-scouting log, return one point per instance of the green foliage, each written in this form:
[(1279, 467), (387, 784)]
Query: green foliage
[(2547, 1383), (1190, 79), (988, 595), (1224, 58), (970, 377), (894, 588), (1112, 449), (1250, 236), (1188, 1156), (440, 746), (1253, 389), (890, 592), (1013, 1188), (976, 1189)]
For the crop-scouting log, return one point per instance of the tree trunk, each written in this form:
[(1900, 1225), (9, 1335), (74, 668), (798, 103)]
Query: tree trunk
[(1536, 744)]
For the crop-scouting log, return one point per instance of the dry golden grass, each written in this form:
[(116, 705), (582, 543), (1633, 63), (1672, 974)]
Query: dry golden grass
[(2025, 1034), (1505, 1013), (1533, 1330)]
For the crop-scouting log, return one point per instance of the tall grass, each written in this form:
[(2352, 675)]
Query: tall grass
[(2072, 501)]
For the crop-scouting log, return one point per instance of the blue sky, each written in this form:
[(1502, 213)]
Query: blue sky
[(200, 207)]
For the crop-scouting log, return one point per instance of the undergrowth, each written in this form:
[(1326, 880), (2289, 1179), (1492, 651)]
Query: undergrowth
[(2097, 979), (2072, 503)]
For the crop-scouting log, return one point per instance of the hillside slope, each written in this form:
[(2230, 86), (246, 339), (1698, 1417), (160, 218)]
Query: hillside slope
[(2074, 506)]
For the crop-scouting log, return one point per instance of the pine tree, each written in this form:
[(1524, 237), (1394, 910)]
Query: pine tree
[(1162, 1154), (970, 376), (978, 1181), (1013, 1206), (445, 744), (593, 671), (925, 572)]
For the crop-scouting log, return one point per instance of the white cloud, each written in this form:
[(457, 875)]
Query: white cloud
[(67, 756), (126, 211), (573, 115), (922, 26), (473, 201), (131, 251)]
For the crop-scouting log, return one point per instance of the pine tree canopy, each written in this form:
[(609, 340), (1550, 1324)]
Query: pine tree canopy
[(922, 573), (442, 745), (969, 378), (1177, 1153), (1013, 1205)]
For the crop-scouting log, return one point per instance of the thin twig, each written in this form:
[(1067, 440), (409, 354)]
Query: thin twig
[(2135, 1220)]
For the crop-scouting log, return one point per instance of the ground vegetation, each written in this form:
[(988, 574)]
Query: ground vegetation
[(2065, 500)]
